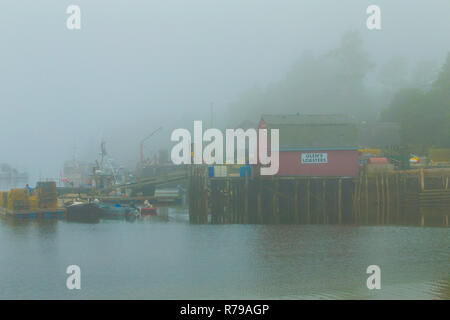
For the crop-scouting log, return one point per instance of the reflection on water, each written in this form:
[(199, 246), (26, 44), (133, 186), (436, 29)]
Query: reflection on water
[(166, 257)]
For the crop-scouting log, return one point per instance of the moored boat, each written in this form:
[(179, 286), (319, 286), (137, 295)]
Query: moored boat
[(149, 211), (83, 212), (115, 210)]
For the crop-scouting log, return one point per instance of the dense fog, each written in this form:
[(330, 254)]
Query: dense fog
[(137, 65)]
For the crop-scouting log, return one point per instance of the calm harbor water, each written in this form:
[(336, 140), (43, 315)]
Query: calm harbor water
[(172, 259)]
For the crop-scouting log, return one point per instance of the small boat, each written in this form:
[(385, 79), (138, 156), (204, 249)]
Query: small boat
[(149, 211), (83, 212), (117, 210)]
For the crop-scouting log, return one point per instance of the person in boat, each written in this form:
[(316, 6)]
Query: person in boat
[(147, 204), (136, 210)]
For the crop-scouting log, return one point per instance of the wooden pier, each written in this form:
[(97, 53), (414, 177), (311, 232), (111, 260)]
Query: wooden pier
[(413, 197), (138, 199)]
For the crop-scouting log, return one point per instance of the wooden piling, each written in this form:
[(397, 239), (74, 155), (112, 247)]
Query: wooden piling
[(422, 179), (275, 203), (383, 200), (367, 198), (340, 201), (388, 202), (246, 196), (324, 202), (308, 201), (259, 203), (296, 217), (397, 198), (358, 208), (228, 212), (378, 200)]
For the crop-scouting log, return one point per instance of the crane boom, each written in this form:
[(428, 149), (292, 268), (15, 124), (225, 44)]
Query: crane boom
[(145, 139)]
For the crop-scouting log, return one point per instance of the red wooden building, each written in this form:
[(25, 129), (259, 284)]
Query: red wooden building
[(315, 145)]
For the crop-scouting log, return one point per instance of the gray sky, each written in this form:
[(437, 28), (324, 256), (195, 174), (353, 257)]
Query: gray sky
[(136, 65)]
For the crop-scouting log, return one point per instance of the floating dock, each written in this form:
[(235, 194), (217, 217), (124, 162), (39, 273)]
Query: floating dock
[(57, 213), (42, 202)]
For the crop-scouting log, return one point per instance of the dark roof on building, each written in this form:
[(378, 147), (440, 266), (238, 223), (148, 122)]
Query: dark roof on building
[(309, 132), (309, 119), (247, 124)]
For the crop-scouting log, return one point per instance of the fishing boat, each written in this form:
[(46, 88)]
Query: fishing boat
[(83, 212), (116, 210)]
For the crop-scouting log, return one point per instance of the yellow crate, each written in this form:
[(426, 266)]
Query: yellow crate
[(34, 202), (5, 199), (19, 194), (3, 203), (48, 204), (370, 151), (18, 204), (439, 154)]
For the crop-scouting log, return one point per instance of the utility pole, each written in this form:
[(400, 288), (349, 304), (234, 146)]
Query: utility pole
[(212, 115)]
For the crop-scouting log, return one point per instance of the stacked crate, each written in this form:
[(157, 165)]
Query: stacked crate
[(18, 199), (47, 194), (34, 202), (4, 199)]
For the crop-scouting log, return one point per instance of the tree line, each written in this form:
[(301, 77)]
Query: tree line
[(423, 114), (342, 81)]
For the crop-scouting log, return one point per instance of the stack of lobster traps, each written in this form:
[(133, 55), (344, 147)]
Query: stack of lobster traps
[(18, 199), (47, 194), (42, 202)]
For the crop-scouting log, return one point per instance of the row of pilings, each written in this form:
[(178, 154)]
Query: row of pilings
[(398, 197)]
